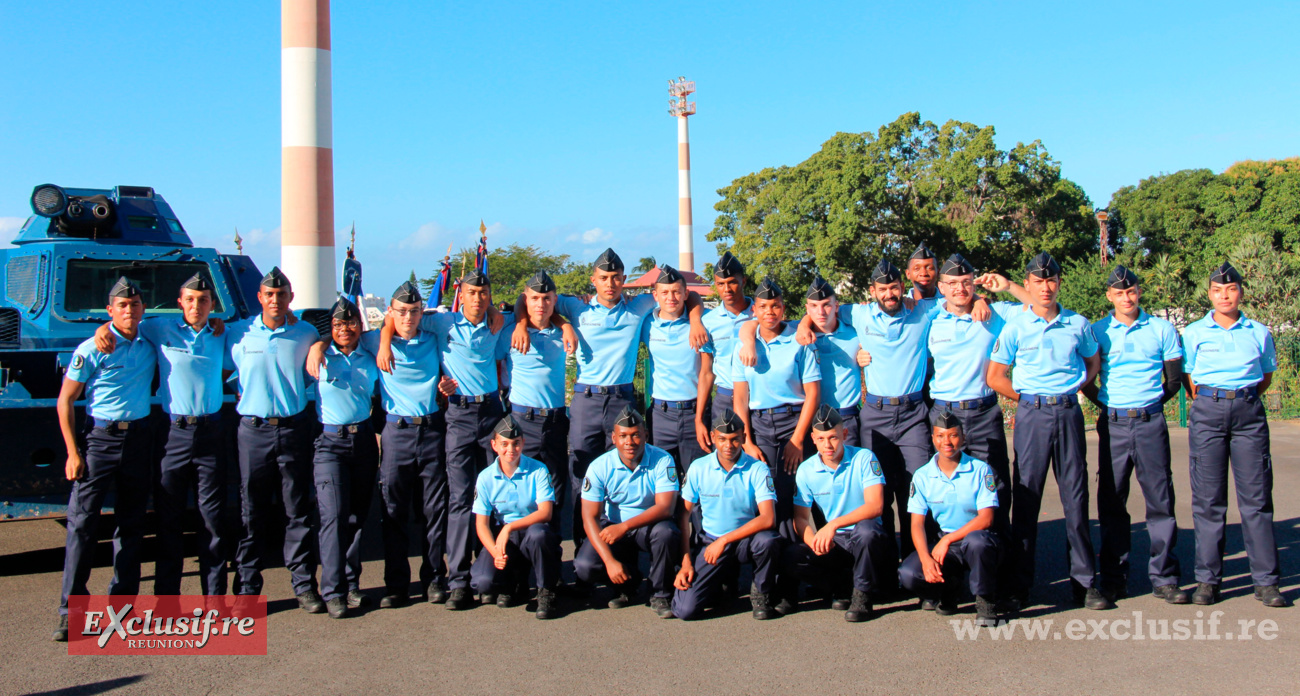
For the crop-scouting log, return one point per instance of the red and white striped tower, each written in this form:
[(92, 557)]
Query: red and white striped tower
[(678, 90), (307, 152)]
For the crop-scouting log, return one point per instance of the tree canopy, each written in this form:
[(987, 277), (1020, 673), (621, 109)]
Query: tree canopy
[(511, 266)]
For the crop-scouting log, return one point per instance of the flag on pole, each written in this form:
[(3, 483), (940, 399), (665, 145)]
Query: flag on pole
[(455, 298), (481, 260), (442, 280)]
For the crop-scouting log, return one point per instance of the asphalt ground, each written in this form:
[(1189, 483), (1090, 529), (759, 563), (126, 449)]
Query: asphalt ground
[(425, 648)]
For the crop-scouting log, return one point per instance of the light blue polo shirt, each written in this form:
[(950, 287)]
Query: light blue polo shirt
[(117, 385), (724, 332), (783, 366), (898, 345), (512, 498), (953, 501), (608, 339), (272, 366), (1133, 359), (727, 499), (626, 492), (1232, 358), (1048, 356), (841, 376), (411, 389), (960, 347), (189, 365), (537, 377), (470, 351), (674, 364), (839, 491), (346, 385)]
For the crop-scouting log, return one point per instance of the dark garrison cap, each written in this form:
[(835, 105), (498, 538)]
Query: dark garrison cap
[(728, 266), (886, 273), (124, 288), (345, 310), (826, 418), (508, 428), (922, 252), (541, 282), (768, 290), (820, 290), (1043, 266), (197, 282), (668, 275), (1225, 275), (609, 261), (729, 423), (946, 419), (628, 418), (476, 278), (1121, 278), (957, 265), (275, 278), (407, 293)]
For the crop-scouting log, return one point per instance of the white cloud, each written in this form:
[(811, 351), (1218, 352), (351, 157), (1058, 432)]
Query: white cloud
[(426, 237), (9, 227), (591, 236)]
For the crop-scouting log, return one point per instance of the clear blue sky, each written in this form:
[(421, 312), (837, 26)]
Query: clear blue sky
[(548, 120)]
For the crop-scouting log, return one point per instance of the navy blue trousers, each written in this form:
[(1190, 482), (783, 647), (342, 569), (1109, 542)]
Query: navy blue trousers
[(193, 461), (1126, 444), (976, 554), (546, 439), (271, 458), (723, 400), (673, 430), (1050, 436), (469, 450), (591, 421), (117, 460), (345, 465), (662, 540), (1233, 430), (860, 555), (771, 433), (899, 435), (762, 549), (411, 470), (533, 551)]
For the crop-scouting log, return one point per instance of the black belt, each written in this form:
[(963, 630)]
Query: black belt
[(590, 389), (403, 421), (184, 421), (662, 405), (273, 421), (118, 425), (462, 401), (1216, 394), (882, 401), (968, 404), (723, 391), (349, 429), (773, 411), (1041, 400), (1144, 413), (529, 413)]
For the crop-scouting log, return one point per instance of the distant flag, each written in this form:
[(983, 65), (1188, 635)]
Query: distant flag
[(441, 280), (481, 260), (352, 270), (455, 290)]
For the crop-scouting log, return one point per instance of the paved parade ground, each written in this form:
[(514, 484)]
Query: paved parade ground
[(426, 649)]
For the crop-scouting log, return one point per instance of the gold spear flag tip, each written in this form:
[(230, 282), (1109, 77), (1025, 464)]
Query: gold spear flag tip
[(448, 254), (482, 228)]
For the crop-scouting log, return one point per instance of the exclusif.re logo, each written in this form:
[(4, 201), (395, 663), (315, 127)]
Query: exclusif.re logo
[(167, 624)]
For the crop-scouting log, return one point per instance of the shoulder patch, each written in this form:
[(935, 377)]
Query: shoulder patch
[(875, 467), (991, 482), (586, 484), (78, 362), (672, 473), (911, 489), (997, 344), (771, 487)]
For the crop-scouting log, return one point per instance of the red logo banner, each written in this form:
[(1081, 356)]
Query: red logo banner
[(166, 625)]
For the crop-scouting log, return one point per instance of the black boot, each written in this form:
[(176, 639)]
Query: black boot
[(859, 607), (546, 602), (985, 613), (762, 604)]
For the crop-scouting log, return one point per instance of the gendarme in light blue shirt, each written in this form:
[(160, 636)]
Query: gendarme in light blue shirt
[(626, 492), (783, 366), (838, 491), (411, 389), (1232, 358), (961, 348), (727, 499), (1133, 359), (1048, 356), (469, 351), (953, 501), (512, 498), (346, 385), (537, 377), (898, 345), (272, 366), (841, 376), (724, 333), (674, 364), (608, 339), (189, 365), (117, 385)]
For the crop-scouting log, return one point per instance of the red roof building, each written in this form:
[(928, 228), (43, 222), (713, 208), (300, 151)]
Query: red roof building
[(694, 281)]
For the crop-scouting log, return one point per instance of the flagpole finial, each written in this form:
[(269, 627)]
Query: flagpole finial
[(352, 244), (239, 243), (447, 256), (482, 228)]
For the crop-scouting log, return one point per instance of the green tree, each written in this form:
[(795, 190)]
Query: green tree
[(509, 267), (864, 196), (646, 264), (1272, 281), (576, 280)]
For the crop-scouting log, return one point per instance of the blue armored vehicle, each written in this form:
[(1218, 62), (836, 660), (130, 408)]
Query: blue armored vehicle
[(54, 285)]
